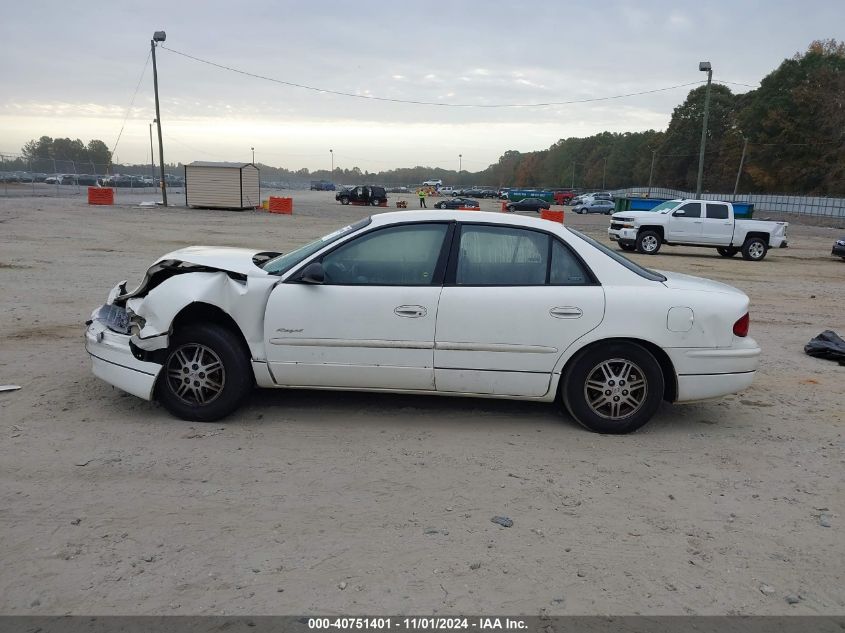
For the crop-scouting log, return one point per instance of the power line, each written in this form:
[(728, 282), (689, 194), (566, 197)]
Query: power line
[(425, 103), (131, 103)]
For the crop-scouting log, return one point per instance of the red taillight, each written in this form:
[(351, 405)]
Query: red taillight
[(741, 326)]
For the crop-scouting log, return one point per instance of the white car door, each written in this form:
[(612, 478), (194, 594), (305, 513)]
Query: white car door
[(685, 225), (718, 227), (370, 324), (513, 301)]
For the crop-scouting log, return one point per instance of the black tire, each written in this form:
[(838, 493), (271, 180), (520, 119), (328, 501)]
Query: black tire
[(754, 249), (344, 200), (627, 246), (725, 251), (509, 207), (648, 242), (209, 345), (440, 205), (644, 371)]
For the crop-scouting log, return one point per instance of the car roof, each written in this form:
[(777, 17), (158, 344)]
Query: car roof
[(484, 217)]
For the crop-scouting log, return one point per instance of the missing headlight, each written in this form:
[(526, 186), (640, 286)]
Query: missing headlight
[(113, 317)]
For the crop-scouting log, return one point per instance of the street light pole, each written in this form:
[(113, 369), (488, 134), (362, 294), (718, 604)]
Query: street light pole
[(651, 172), (604, 173), (159, 36), (253, 155), (741, 162), (703, 67), (152, 154), (331, 177), (460, 167)]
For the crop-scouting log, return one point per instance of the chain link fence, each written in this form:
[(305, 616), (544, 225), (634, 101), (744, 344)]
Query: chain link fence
[(765, 202), (53, 177)]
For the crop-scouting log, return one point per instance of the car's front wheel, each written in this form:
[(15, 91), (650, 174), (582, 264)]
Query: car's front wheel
[(613, 388), (648, 242), (344, 200), (206, 375)]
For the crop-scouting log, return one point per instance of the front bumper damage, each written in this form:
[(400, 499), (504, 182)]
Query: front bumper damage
[(113, 361)]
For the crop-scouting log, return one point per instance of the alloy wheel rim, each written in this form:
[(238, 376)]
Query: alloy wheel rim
[(649, 243), (195, 374), (615, 389), (755, 250)]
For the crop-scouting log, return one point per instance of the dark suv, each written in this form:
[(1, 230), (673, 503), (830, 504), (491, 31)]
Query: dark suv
[(362, 194)]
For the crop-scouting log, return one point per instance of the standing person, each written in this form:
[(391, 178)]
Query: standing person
[(421, 193)]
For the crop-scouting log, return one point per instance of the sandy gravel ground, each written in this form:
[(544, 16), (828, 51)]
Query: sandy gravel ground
[(308, 502)]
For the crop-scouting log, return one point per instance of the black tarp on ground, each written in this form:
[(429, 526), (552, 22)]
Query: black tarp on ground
[(827, 345)]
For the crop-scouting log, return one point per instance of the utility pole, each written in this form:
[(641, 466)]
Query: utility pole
[(159, 36), (741, 162), (651, 172), (152, 154), (331, 151), (253, 155), (573, 175), (704, 67), (460, 167), (604, 173)]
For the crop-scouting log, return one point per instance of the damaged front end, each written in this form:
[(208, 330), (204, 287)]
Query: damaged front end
[(128, 335)]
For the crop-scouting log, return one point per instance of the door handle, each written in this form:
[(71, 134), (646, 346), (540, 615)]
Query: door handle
[(410, 312), (566, 312), (697, 222)]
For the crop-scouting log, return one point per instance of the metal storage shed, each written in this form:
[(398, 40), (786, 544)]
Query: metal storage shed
[(222, 185)]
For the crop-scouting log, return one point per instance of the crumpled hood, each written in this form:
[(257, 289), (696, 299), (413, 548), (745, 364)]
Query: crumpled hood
[(225, 258), (680, 281)]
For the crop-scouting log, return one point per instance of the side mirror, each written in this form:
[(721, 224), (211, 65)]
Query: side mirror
[(679, 212), (313, 274)]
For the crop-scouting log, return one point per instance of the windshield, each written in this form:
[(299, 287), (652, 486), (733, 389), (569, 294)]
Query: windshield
[(283, 263), (665, 207), (627, 263)]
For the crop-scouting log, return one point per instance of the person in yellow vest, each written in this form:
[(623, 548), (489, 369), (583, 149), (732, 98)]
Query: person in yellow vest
[(421, 193)]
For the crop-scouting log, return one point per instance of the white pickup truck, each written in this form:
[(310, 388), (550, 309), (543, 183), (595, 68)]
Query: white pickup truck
[(696, 223)]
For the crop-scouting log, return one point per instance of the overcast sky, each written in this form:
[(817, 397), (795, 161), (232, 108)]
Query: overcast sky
[(70, 69)]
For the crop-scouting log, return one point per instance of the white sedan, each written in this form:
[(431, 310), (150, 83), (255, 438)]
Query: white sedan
[(455, 303)]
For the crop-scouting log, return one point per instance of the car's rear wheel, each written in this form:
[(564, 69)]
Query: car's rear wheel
[(725, 251), (206, 375), (754, 249), (344, 200), (439, 205), (648, 242), (613, 388)]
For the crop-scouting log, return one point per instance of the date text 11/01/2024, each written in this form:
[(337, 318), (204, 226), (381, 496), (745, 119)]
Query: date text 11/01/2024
[(417, 623)]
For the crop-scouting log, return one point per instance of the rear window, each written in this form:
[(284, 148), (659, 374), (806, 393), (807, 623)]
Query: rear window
[(717, 211), (643, 272)]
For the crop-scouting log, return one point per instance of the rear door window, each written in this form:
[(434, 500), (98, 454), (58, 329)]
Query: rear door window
[(717, 211)]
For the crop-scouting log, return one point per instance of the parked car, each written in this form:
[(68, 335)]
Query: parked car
[(595, 206), (53, 180), (398, 190), (563, 196), (322, 185), (391, 303), (432, 183), (456, 203), (839, 248), (362, 194), (696, 223), (528, 204), (445, 191)]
